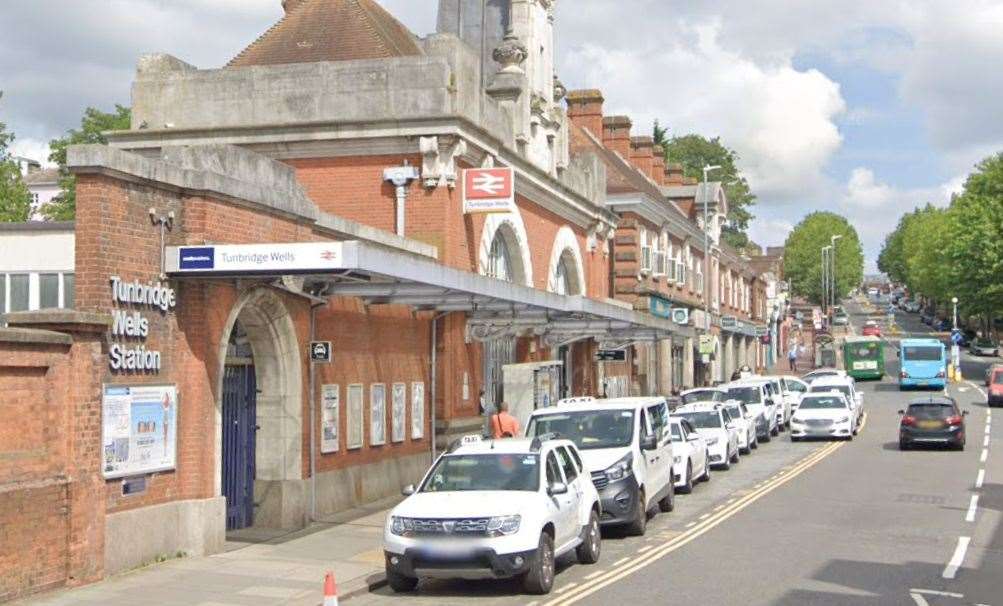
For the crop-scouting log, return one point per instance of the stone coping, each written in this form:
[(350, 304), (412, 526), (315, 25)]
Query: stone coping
[(60, 321), (34, 336)]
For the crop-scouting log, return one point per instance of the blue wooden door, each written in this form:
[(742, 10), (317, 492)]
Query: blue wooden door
[(239, 426)]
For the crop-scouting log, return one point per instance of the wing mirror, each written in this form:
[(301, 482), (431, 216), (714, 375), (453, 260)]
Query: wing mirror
[(408, 490), (649, 443), (557, 488), (901, 412), (730, 426), (693, 437)]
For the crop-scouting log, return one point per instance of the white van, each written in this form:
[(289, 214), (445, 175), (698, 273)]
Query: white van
[(626, 444)]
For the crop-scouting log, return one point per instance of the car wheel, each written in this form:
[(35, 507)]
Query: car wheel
[(735, 456), (540, 578), (639, 525), (668, 502), (795, 439), (745, 451), (775, 431), (755, 442), (765, 438), (687, 488), (706, 472), (588, 551), (903, 445), (400, 583), (726, 465), (781, 426)]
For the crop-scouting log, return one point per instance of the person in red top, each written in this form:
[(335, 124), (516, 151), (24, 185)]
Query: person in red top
[(504, 425)]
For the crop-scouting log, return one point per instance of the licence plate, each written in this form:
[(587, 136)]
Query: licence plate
[(930, 424), (445, 554), (923, 383)]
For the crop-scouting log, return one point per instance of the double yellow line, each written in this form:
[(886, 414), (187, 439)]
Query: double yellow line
[(649, 557)]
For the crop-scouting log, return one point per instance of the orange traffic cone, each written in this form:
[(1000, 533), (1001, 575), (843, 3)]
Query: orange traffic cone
[(330, 590)]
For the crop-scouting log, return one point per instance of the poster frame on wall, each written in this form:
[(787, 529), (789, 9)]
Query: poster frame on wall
[(398, 412), (377, 414), (330, 417), (168, 388), (417, 410), (354, 417)]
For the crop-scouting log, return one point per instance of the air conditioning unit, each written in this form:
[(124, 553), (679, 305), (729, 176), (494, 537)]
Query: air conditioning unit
[(646, 259), (680, 315)]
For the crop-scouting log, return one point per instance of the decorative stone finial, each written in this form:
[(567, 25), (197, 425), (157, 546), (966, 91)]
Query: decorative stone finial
[(511, 53), (560, 91)]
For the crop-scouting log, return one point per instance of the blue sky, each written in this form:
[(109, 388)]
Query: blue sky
[(861, 107)]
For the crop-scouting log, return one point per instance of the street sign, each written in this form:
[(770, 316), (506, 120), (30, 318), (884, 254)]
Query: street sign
[(706, 344), (729, 322), (320, 351), (287, 258), (611, 355), (488, 190), (956, 337)]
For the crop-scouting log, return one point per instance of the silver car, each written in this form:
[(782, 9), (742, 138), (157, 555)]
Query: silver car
[(984, 347)]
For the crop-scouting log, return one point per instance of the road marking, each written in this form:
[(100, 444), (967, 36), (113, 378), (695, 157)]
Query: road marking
[(987, 428), (565, 588), (972, 507), (691, 525), (986, 441), (946, 594), (645, 548), (951, 570), (985, 455), (685, 538), (621, 561), (980, 478), (593, 575), (704, 517), (919, 599)]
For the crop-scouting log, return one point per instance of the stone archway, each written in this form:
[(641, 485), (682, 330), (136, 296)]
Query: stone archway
[(510, 228), (279, 493), (566, 256)]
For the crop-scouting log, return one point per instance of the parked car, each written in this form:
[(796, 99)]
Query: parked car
[(746, 422), (818, 373), (777, 391), (627, 448), (495, 509), (794, 390), (848, 387), (704, 394), (932, 420), (913, 307), (840, 318), (994, 381), (984, 346), (824, 415), (871, 329), (691, 456), (714, 423), (754, 395)]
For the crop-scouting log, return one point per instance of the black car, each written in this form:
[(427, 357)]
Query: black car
[(932, 420)]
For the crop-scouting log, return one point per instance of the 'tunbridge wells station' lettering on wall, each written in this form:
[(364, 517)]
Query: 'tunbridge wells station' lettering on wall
[(130, 327)]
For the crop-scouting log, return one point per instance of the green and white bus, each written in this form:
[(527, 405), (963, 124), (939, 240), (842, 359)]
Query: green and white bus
[(864, 357)]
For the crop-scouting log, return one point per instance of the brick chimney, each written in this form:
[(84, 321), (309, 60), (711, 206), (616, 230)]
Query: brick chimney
[(291, 5), (585, 110), (658, 165), (616, 134), (641, 154), (674, 173)]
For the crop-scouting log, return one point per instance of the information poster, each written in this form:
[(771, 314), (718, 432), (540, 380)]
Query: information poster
[(353, 418), (378, 414), (139, 429), (330, 410), (417, 410), (398, 412)]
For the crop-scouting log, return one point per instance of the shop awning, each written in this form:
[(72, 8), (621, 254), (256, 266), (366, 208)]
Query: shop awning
[(379, 275)]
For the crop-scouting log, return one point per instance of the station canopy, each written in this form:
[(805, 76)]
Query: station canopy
[(383, 276)]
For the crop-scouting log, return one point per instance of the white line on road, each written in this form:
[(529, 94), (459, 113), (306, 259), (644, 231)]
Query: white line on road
[(593, 575), (691, 525), (985, 455), (980, 478), (972, 507), (704, 517), (621, 561), (645, 548), (946, 594), (951, 570), (985, 442), (566, 587), (987, 428), (919, 599)]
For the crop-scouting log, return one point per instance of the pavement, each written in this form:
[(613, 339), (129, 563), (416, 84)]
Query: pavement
[(258, 568)]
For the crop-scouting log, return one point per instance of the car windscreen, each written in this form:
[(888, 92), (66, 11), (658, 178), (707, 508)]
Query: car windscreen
[(588, 429), (843, 389), (748, 395), (998, 378), (703, 420), (703, 395), (735, 411), (677, 433), (484, 472), (820, 374), (922, 353), (931, 411), (984, 343), (822, 403), (865, 351)]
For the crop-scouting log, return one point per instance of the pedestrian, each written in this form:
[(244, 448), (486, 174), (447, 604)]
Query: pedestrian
[(504, 425), (792, 357)]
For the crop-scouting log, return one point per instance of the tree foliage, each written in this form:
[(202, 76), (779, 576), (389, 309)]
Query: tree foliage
[(92, 126), (15, 199), (694, 152), (956, 251), (803, 255)]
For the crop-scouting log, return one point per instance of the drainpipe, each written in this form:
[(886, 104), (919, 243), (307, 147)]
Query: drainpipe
[(313, 413), (400, 177), (432, 381)]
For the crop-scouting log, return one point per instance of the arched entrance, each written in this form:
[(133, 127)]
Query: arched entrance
[(260, 415)]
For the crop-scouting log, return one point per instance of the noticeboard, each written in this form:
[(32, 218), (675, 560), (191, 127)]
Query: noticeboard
[(139, 429)]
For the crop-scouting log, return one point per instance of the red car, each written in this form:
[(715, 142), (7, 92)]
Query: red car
[(871, 329), (995, 383)]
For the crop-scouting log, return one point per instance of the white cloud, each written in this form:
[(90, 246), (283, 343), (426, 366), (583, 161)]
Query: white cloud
[(32, 148)]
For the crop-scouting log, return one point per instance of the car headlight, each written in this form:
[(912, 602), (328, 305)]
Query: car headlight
[(401, 526), (503, 525), (844, 420), (711, 441), (797, 421), (621, 469)]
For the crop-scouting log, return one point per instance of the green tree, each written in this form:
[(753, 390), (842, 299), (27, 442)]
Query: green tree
[(803, 255), (927, 269), (92, 126), (694, 152), (15, 199)]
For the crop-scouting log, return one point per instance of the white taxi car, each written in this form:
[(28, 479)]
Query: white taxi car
[(823, 415), (746, 422), (846, 386), (714, 423), (495, 509), (691, 460), (755, 396)]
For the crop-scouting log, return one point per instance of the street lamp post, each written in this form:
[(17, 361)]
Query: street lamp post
[(825, 279), (955, 301), (832, 273), (706, 250)]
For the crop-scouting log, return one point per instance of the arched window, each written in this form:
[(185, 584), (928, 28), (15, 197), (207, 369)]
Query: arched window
[(562, 278), (499, 261)]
